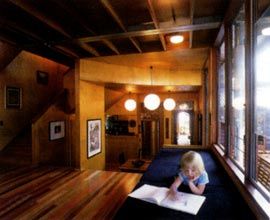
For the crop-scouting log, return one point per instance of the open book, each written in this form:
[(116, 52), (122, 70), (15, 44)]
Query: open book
[(185, 202)]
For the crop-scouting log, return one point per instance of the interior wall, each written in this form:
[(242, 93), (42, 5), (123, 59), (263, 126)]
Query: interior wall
[(90, 105), (59, 151), (21, 73), (69, 85), (104, 72), (46, 151)]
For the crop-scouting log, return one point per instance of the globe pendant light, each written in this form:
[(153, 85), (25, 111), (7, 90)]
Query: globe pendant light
[(169, 104), (151, 101), (130, 104)]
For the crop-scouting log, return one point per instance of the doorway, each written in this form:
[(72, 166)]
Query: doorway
[(150, 138), (183, 128)]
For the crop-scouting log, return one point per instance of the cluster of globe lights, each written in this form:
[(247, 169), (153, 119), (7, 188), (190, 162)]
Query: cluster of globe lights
[(151, 102)]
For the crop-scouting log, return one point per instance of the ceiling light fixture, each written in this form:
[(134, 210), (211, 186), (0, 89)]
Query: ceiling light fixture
[(176, 39), (266, 31), (169, 103), (130, 104), (151, 101)]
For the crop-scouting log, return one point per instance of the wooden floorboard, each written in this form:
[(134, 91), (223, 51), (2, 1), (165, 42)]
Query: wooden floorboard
[(63, 193)]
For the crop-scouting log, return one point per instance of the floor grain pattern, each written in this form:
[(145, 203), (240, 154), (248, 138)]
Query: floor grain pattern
[(63, 193)]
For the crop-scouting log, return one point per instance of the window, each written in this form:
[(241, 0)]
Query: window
[(237, 114), (221, 97), (262, 103)]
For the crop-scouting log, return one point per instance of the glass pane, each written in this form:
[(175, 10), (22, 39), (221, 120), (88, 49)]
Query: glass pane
[(262, 103), (237, 128), (221, 98)]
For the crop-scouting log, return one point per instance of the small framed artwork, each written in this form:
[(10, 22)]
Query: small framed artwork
[(57, 130), (42, 78), (93, 137), (13, 97)]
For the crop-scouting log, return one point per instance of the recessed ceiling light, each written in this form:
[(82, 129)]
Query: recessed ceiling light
[(266, 31), (176, 39)]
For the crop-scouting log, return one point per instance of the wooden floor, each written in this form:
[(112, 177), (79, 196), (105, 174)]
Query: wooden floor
[(62, 193)]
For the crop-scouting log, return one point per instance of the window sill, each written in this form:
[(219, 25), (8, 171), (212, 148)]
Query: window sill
[(258, 204)]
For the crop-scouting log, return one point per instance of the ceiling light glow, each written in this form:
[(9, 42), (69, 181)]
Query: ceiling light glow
[(151, 102), (176, 39), (130, 104)]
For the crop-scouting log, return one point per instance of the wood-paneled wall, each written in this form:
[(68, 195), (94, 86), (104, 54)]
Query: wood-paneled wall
[(90, 104), (21, 73), (48, 151)]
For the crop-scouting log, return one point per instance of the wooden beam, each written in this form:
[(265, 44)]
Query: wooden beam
[(87, 47), (30, 9), (67, 51), (156, 22), (82, 22), (106, 4), (192, 6), (220, 36), (34, 37), (184, 28)]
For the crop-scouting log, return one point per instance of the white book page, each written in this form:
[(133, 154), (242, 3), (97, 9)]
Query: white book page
[(150, 193), (185, 202)]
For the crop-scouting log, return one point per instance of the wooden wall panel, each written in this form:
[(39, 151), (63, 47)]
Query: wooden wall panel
[(90, 105), (46, 151), (21, 72), (111, 73)]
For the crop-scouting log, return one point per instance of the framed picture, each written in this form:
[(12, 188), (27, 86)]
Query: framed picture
[(42, 78), (13, 97), (57, 130), (93, 137)]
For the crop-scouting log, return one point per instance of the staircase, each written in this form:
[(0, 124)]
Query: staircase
[(18, 152)]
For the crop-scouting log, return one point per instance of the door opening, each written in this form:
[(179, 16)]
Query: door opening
[(183, 128)]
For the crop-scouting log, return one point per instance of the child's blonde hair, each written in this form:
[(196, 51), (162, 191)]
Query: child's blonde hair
[(194, 159)]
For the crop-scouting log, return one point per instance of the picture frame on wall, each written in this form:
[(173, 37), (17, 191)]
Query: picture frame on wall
[(93, 137), (13, 97), (56, 130)]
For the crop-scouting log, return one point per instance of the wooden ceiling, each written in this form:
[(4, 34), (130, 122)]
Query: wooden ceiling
[(65, 30)]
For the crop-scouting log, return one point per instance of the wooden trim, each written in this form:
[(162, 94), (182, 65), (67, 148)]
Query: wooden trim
[(220, 36), (106, 4), (257, 203), (156, 23), (228, 58), (191, 14), (83, 23), (183, 28), (250, 153), (33, 11)]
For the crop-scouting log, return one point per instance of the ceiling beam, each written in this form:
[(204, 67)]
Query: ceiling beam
[(82, 22), (106, 4), (192, 6), (156, 22), (184, 28), (33, 11), (34, 37)]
